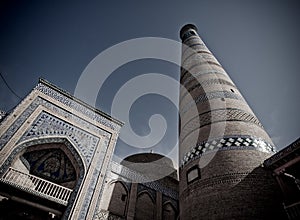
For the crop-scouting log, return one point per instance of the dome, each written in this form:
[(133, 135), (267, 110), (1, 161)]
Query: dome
[(153, 165)]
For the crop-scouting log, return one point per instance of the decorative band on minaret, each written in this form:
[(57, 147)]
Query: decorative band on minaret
[(221, 142)]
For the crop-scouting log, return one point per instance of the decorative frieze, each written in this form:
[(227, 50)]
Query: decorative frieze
[(71, 102), (208, 96), (187, 47), (217, 115), (193, 76), (17, 123), (64, 127), (227, 143), (206, 83)]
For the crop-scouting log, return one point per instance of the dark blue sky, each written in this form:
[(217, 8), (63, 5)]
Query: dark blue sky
[(257, 42)]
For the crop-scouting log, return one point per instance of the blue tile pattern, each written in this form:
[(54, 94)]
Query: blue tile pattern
[(67, 101), (49, 125), (227, 143)]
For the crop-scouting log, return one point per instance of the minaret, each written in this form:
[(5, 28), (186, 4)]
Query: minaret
[(222, 143)]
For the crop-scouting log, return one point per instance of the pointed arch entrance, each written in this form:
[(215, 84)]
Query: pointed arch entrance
[(44, 173)]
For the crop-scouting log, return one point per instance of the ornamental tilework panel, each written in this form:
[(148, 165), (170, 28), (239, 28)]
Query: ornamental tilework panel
[(92, 185), (17, 123), (89, 194), (31, 108), (106, 215), (42, 141), (51, 164), (76, 106), (227, 143), (51, 140), (49, 125)]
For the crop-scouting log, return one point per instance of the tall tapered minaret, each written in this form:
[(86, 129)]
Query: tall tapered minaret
[(222, 143)]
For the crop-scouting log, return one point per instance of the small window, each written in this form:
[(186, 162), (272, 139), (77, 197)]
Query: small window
[(123, 197), (223, 99), (232, 90), (193, 174)]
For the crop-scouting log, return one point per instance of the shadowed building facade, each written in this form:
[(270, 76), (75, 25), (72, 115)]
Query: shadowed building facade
[(222, 143), (142, 187), (285, 166)]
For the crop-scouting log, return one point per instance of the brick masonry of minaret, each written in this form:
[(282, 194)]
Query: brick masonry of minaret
[(222, 144)]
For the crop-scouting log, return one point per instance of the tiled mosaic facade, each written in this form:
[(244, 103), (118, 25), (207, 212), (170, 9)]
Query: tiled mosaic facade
[(31, 133), (77, 105), (49, 115), (49, 125), (106, 215)]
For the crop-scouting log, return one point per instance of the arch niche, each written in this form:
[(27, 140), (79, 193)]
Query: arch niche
[(54, 159)]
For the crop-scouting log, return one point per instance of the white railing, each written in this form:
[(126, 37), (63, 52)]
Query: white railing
[(293, 210), (36, 186)]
